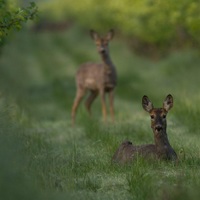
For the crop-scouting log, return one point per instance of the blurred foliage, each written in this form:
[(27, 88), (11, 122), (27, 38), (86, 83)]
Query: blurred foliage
[(12, 16), (148, 23)]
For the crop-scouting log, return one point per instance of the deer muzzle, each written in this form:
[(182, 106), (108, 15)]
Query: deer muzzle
[(158, 128)]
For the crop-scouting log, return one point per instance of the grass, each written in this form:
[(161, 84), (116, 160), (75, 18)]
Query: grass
[(43, 157)]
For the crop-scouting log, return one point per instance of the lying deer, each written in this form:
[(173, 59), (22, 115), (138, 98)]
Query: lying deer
[(96, 78), (162, 148)]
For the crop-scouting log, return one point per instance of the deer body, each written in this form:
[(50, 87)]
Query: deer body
[(161, 148), (97, 78)]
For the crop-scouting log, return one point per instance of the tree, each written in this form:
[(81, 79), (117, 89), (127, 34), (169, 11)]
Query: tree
[(12, 18)]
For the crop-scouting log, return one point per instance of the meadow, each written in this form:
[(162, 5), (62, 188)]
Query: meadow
[(44, 157)]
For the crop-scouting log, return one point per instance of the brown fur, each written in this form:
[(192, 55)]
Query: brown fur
[(162, 148), (96, 78)]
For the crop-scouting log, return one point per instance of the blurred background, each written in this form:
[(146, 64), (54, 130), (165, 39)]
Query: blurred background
[(151, 27), (156, 52)]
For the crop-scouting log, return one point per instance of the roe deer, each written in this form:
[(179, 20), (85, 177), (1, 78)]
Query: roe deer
[(162, 148), (97, 78)]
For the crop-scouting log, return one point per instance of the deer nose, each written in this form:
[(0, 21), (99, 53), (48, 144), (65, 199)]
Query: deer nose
[(102, 50), (158, 128)]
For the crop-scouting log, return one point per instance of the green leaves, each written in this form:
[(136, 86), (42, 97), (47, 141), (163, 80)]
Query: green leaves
[(13, 18), (150, 24)]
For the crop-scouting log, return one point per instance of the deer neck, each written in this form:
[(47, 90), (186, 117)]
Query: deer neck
[(109, 66), (161, 141)]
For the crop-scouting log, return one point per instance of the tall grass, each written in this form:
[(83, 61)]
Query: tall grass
[(42, 156)]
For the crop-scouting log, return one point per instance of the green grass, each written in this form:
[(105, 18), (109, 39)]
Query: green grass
[(43, 157)]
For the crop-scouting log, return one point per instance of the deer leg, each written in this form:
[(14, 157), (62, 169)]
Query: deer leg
[(111, 100), (90, 100), (79, 96), (103, 103)]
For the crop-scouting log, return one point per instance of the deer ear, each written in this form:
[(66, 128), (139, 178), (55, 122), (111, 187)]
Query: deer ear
[(168, 102), (146, 104), (110, 34), (94, 35)]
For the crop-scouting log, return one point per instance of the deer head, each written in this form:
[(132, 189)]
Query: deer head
[(158, 115), (102, 42)]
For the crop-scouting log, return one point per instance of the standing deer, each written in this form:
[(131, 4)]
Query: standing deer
[(162, 148), (96, 78)]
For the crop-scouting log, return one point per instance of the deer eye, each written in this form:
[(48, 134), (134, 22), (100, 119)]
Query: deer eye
[(105, 43), (164, 116), (98, 43), (152, 117)]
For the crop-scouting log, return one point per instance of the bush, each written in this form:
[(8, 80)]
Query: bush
[(12, 17), (157, 24)]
